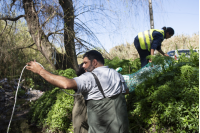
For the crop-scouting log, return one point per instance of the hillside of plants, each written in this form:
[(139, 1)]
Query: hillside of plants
[(167, 101)]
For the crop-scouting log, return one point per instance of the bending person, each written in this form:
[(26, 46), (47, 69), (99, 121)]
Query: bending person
[(148, 41), (103, 88)]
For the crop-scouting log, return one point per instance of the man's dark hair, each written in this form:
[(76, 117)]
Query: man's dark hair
[(80, 70), (93, 54)]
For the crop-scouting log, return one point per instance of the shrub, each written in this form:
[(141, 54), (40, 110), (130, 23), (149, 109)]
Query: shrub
[(53, 110), (128, 66), (168, 101)]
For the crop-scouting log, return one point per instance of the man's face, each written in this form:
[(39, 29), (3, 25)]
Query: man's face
[(87, 65)]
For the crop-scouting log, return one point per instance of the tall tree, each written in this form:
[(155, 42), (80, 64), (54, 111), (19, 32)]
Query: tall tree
[(58, 22), (37, 15), (69, 35), (35, 29), (34, 25)]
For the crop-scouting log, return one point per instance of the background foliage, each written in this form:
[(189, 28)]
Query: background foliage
[(53, 111), (15, 53), (128, 66), (168, 101)]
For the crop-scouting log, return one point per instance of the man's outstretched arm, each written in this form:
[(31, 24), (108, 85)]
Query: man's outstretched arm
[(55, 80)]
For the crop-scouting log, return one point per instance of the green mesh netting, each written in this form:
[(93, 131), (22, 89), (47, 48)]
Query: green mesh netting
[(134, 79)]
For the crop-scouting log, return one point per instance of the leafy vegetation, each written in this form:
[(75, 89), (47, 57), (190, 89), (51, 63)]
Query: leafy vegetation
[(16, 50), (53, 110), (168, 101), (20, 93), (128, 66)]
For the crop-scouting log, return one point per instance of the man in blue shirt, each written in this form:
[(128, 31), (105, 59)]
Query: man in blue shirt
[(148, 41)]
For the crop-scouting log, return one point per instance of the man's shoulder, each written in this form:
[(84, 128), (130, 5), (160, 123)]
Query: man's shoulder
[(104, 69), (84, 75), (101, 68)]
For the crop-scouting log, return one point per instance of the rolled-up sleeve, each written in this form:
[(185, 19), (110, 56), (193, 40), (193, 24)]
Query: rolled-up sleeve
[(157, 40), (82, 83)]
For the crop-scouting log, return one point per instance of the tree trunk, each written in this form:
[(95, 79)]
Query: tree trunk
[(71, 59), (61, 61), (40, 39)]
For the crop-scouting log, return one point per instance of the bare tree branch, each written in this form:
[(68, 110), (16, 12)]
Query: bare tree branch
[(30, 48), (12, 19), (40, 8), (48, 19), (56, 32), (24, 47), (27, 46), (79, 53), (92, 34)]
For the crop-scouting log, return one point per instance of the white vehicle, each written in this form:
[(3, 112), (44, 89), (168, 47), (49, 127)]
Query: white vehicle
[(177, 53)]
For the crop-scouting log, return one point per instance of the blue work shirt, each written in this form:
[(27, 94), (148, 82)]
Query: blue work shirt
[(157, 40)]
